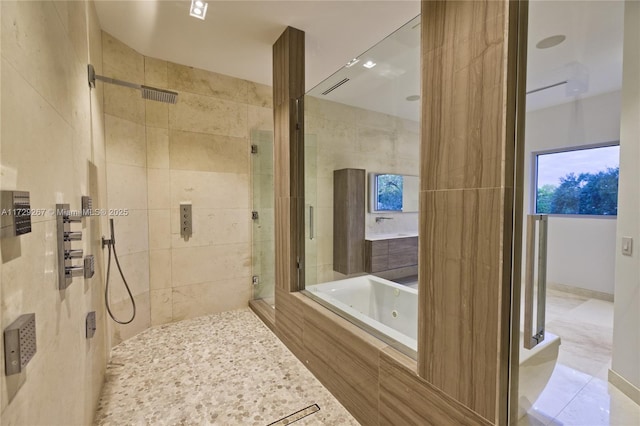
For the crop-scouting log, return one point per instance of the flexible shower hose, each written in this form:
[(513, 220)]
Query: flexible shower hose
[(110, 243)]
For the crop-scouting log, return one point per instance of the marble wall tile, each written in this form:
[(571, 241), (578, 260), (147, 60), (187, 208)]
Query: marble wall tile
[(155, 72), (213, 227), (208, 153), (260, 118), (211, 84), (157, 114), (121, 61), (72, 16), (135, 267), (329, 110), (159, 229), (141, 322), (158, 196), (161, 302), (127, 187), (57, 157), (159, 269), (205, 114), (208, 190), (193, 265), (260, 95), (35, 43), (211, 297), (123, 102), (157, 148), (132, 232), (125, 141), (29, 144)]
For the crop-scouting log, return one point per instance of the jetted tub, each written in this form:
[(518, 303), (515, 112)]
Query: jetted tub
[(389, 311)]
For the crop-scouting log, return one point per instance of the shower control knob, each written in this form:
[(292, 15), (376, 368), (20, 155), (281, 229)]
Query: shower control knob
[(73, 236), (73, 254)]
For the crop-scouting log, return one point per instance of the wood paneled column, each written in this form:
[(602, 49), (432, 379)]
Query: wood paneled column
[(288, 89), (469, 54), (288, 113)]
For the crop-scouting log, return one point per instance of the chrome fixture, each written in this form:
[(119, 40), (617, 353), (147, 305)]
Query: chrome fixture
[(16, 213), (19, 343), (111, 245), (533, 337), (381, 218), (186, 220), (66, 269), (148, 92)]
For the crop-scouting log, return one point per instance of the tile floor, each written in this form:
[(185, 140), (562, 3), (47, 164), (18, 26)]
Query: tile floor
[(578, 392), (225, 369), (202, 371)]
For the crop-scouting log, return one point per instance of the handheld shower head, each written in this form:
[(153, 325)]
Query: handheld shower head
[(148, 92)]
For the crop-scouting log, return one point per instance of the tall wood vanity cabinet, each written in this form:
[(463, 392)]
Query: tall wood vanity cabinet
[(348, 220)]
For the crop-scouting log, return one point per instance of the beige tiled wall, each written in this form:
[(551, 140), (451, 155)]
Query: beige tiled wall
[(53, 146), (194, 151), (339, 136)]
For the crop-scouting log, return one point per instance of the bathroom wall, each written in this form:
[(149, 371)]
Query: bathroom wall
[(125, 118), (160, 155), (339, 136), (52, 145), (581, 251), (626, 337)]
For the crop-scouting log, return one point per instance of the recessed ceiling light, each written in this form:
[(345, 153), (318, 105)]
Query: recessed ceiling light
[(352, 62), (552, 41), (413, 98), (369, 64), (198, 9)]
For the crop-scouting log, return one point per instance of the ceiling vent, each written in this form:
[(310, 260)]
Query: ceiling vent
[(335, 86)]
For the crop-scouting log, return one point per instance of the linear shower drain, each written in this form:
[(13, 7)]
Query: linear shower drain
[(296, 416)]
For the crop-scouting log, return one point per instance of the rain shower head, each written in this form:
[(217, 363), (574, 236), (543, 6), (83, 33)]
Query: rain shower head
[(147, 92)]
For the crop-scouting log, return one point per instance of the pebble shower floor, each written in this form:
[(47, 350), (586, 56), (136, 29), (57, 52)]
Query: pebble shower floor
[(222, 369)]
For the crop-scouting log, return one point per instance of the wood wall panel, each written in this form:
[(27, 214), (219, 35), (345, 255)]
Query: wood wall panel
[(460, 276), (288, 86), (468, 116), (347, 364), (406, 399)]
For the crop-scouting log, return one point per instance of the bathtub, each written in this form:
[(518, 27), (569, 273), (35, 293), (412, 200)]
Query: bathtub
[(389, 311)]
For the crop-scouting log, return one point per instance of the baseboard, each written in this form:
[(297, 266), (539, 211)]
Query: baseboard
[(592, 294), (624, 386)]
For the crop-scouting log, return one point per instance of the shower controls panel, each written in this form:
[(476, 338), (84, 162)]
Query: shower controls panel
[(186, 227), (66, 254), (16, 213)]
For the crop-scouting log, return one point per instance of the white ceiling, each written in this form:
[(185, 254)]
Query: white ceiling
[(237, 37)]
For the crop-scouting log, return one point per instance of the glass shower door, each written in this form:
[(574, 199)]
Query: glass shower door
[(263, 250)]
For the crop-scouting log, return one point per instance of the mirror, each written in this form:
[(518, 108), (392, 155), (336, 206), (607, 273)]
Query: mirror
[(393, 193)]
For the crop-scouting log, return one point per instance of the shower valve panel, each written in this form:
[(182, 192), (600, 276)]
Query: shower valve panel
[(186, 227)]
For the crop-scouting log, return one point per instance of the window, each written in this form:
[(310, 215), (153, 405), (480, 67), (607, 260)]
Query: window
[(387, 190), (580, 181)]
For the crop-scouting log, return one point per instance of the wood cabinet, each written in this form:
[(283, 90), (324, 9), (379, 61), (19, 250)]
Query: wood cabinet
[(394, 253), (348, 220)]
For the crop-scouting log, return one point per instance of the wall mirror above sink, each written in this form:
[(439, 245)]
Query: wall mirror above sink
[(393, 193)]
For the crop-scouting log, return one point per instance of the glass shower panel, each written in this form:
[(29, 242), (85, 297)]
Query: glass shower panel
[(363, 121), (311, 209), (569, 172), (263, 250)]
